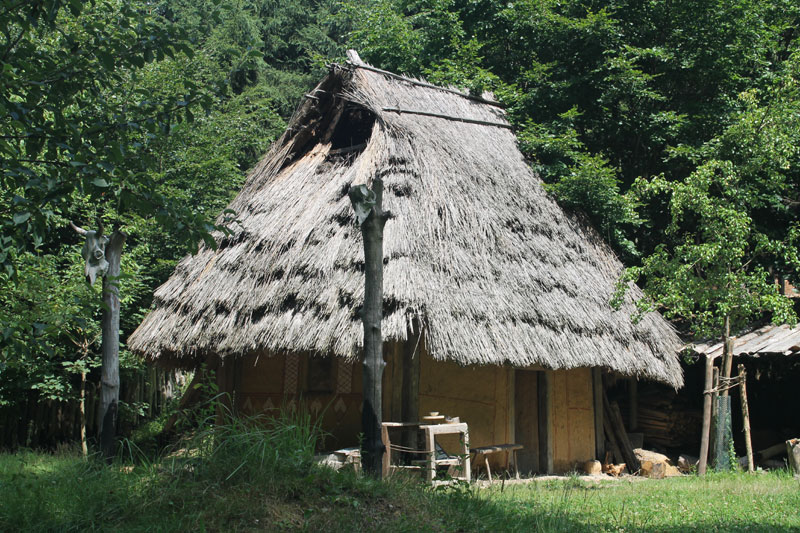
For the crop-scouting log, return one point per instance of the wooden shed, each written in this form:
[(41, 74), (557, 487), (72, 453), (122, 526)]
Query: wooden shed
[(496, 301)]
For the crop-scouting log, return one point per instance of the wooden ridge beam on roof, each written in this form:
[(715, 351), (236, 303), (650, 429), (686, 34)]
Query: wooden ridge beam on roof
[(447, 117), (425, 84)]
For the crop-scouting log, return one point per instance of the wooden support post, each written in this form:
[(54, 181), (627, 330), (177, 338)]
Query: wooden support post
[(412, 350), (746, 418), (706, 429), (597, 392), (387, 453), (395, 407), (236, 385), (727, 356), (545, 387), (633, 404)]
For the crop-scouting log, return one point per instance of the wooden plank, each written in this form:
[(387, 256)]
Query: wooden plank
[(545, 391), (444, 429), (597, 404), (618, 429)]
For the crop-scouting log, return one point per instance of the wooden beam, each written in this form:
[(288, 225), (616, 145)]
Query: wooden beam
[(545, 386), (425, 84), (618, 429), (597, 404), (411, 354), (633, 404)]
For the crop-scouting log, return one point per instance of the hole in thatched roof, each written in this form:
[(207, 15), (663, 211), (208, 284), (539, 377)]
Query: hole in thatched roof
[(277, 273), (346, 300), (391, 306), (343, 219), (290, 302), (221, 309), (353, 130), (258, 314), (515, 226), (400, 189)]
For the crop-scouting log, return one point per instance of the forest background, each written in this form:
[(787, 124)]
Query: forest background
[(674, 126)]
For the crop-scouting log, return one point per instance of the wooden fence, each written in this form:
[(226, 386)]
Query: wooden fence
[(34, 423)]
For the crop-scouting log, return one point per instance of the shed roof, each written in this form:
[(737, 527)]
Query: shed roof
[(476, 253), (766, 340)]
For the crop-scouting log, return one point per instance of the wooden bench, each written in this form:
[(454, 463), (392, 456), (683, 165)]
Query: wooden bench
[(486, 451)]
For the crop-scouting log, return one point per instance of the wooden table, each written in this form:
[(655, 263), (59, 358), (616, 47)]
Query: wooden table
[(461, 460), (430, 431)]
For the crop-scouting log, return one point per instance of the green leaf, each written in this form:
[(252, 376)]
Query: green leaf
[(21, 217)]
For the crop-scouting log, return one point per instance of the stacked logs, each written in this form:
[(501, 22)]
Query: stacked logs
[(666, 423)]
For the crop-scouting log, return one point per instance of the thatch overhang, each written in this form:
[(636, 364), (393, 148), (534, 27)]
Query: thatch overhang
[(476, 253)]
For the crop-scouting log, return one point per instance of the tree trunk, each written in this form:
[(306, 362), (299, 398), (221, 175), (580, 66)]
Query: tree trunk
[(371, 316), (727, 356), (109, 393), (706, 430), (84, 446), (746, 418)]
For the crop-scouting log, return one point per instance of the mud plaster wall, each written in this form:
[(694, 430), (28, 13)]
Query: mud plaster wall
[(482, 396), (573, 418)]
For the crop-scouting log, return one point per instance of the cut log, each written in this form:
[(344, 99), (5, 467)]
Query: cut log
[(793, 452), (593, 467), (773, 451), (687, 463)]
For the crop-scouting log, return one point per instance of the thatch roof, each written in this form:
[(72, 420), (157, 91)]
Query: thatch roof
[(476, 252)]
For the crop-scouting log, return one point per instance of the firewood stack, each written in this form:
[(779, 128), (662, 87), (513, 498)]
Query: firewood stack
[(667, 423)]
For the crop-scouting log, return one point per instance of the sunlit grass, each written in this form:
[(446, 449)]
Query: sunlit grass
[(249, 476)]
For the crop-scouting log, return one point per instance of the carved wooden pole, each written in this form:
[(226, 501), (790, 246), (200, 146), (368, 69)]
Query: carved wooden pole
[(109, 371), (371, 217), (103, 255)]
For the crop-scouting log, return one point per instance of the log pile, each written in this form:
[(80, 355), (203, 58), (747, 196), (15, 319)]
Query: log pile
[(668, 424)]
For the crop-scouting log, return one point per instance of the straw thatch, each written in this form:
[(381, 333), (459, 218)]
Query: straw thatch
[(476, 253)]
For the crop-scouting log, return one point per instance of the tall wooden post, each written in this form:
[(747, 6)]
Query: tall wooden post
[(633, 404), (370, 215), (746, 418), (706, 429), (410, 395), (109, 375), (727, 355)]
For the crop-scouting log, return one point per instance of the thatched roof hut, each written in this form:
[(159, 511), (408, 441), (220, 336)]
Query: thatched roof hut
[(477, 255)]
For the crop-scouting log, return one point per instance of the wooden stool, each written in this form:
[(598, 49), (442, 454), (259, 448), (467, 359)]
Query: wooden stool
[(486, 451)]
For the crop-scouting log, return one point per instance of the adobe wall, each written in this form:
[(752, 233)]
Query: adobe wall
[(482, 396)]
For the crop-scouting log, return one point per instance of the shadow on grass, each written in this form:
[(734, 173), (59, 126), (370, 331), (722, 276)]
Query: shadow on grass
[(64, 493)]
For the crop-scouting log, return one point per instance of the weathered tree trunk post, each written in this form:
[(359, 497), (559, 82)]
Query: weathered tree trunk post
[(727, 356), (84, 446), (109, 379), (746, 418), (706, 430), (371, 217)]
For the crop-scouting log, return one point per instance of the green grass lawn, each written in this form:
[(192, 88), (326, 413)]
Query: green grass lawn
[(41, 492)]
